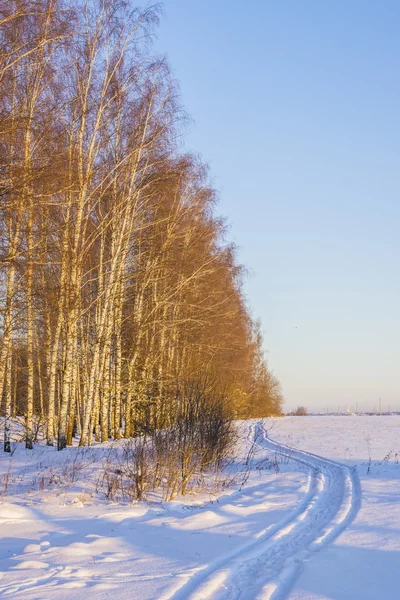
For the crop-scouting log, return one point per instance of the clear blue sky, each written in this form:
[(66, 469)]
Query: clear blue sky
[(296, 107)]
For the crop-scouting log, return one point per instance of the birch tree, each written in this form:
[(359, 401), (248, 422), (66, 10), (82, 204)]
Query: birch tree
[(118, 288)]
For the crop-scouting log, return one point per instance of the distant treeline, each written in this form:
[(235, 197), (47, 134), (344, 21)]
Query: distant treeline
[(117, 287)]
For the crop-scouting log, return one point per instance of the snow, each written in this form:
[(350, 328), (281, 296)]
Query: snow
[(364, 562), (318, 518)]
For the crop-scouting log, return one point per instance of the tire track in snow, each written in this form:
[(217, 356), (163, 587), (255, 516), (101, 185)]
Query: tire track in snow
[(266, 568)]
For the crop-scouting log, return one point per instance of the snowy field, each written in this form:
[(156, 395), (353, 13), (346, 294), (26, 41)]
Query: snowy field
[(364, 562), (317, 518)]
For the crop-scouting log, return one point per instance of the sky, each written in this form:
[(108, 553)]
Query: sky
[(295, 106)]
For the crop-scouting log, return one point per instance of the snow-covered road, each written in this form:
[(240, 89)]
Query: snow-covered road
[(267, 568)]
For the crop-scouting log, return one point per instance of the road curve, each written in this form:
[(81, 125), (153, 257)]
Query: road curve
[(266, 568)]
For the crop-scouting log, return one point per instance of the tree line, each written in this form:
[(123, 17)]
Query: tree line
[(117, 285)]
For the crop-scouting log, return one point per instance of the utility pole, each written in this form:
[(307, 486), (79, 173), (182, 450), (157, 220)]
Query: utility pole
[(380, 406), (356, 408)]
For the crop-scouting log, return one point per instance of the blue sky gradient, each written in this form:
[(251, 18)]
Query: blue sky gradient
[(296, 109)]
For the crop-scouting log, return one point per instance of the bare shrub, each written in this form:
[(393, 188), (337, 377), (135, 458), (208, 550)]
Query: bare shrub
[(5, 480), (179, 455), (199, 439), (137, 467)]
